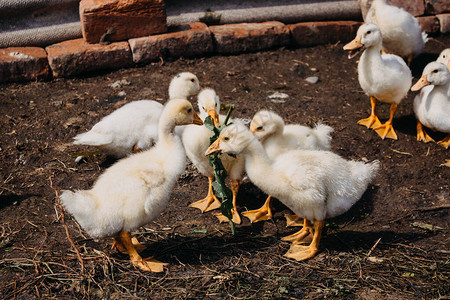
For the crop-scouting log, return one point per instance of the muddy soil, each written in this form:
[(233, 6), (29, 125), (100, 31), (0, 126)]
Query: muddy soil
[(392, 244)]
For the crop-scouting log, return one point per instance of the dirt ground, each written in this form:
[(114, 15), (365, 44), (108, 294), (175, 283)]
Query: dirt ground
[(392, 244)]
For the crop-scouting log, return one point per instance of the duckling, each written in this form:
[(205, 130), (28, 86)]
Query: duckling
[(316, 185), (444, 57), (136, 189), (383, 77), (197, 139), (269, 128), (134, 126), (401, 31), (432, 105)]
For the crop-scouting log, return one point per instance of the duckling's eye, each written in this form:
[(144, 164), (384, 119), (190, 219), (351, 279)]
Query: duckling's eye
[(192, 80), (226, 138), (259, 128), (189, 110), (435, 71), (204, 108)]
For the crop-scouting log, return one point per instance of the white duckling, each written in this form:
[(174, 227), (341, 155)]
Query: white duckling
[(383, 77), (278, 138), (136, 189), (197, 139), (316, 185), (444, 57), (134, 126), (402, 34), (432, 105)]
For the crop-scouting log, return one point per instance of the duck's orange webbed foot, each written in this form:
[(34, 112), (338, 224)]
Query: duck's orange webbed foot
[(210, 202), (148, 264), (301, 236), (422, 135), (117, 245), (293, 220), (445, 142), (372, 121), (263, 213)]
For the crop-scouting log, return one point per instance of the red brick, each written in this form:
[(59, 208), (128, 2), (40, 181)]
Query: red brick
[(414, 7), (316, 33), (444, 21), (429, 24), (23, 63), (244, 37), (76, 57), (186, 40), (128, 18), (437, 6)]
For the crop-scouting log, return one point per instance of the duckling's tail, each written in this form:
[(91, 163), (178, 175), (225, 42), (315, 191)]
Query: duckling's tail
[(81, 205), (92, 138), (361, 174), (322, 133), (364, 172)]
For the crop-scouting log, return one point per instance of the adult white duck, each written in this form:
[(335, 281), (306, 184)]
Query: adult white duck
[(277, 138), (316, 185), (197, 139), (402, 34), (136, 189), (383, 77), (432, 105), (134, 126)]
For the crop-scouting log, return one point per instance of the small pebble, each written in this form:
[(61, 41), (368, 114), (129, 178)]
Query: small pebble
[(119, 83), (78, 159), (278, 95), (312, 79), (122, 94)]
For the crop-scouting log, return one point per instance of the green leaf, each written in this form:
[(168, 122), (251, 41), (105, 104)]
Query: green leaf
[(209, 123), (220, 174)]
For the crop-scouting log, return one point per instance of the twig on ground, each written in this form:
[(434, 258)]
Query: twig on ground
[(373, 247), (63, 221), (432, 208)]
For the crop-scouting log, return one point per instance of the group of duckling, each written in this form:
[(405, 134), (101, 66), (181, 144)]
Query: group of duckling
[(292, 163)]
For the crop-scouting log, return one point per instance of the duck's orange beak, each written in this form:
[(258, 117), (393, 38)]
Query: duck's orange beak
[(197, 120), (354, 47), (215, 147), (214, 117), (423, 81)]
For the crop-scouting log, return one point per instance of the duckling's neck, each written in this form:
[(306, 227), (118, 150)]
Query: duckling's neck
[(176, 92), (257, 163), (166, 135)]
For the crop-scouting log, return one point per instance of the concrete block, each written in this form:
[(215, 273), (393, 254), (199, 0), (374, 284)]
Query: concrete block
[(434, 7), (191, 39), (118, 20), (444, 22), (245, 37), (75, 57), (316, 33), (23, 64), (429, 24)]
